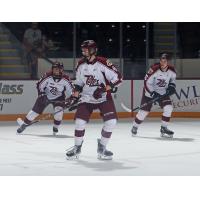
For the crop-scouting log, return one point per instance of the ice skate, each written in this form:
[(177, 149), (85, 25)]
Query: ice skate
[(134, 130), (74, 152), (103, 154), (55, 131), (22, 126), (165, 132)]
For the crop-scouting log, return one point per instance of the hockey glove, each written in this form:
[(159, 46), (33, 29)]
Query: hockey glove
[(156, 96), (113, 88), (74, 103), (99, 91), (71, 101), (171, 89)]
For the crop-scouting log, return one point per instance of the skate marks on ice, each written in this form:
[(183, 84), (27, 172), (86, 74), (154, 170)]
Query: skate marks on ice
[(15, 140), (48, 136), (130, 159), (102, 165), (166, 139)]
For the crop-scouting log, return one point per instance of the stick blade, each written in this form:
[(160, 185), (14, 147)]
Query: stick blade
[(126, 108)]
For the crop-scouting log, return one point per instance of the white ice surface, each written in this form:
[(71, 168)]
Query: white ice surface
[(37, 152)]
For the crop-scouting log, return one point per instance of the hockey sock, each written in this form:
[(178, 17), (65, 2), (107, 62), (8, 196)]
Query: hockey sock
[(56, 123), (140, 117), (105, 136), (79, 137), (30, 117), (165, 121)]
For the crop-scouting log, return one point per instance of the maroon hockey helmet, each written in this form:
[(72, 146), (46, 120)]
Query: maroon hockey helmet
[(90, 45)]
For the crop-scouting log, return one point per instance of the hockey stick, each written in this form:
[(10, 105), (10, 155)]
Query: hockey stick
[(141, 106), (70, 108)]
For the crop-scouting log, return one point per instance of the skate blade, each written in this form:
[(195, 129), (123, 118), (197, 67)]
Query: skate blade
[(20, 121), (166, 136), (18, 133), (102, 157), (134, 134), (72, 157)]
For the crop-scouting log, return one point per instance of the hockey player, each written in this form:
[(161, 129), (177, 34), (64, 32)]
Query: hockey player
[(159, 82), (95, 78), (51, 90)]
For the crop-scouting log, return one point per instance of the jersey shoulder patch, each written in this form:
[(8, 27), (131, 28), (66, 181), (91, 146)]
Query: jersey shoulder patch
[(106, 62), (65, 76)]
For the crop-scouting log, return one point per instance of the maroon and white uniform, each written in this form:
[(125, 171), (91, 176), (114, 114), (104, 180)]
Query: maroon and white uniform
[(157, 81), (55, 88), (55, 91), (95, 76), (90, 75)]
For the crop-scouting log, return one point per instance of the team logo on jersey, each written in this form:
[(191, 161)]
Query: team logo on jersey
[(53, 90), (91, 81), (161, 83), (109, 64)]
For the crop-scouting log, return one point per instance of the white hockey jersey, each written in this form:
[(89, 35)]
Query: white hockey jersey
[(158, 80), (54, 89), (90, 75)]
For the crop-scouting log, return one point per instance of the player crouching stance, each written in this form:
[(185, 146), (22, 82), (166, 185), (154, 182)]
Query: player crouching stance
[(159, 83), (51, 90), (95, 77)]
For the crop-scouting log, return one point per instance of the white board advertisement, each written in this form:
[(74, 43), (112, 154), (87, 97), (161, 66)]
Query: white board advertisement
[(18, 97), (186, 98)]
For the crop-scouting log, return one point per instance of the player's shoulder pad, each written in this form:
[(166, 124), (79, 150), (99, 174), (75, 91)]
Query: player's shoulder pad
[(171, 67), (67, 79), (80, 61), (65, 76), (106, 62), (46, 75), (153, 68)]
